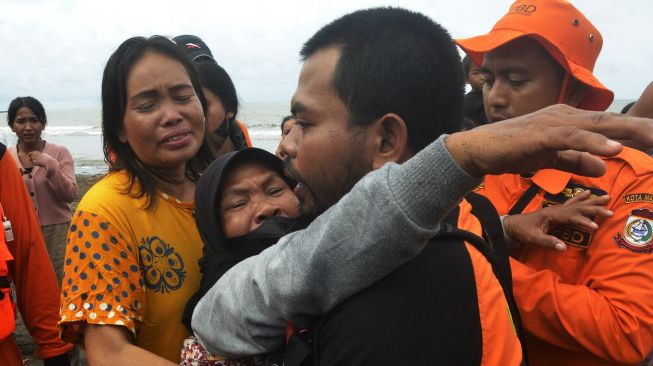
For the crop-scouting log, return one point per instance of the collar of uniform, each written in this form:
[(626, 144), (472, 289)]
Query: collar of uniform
[(551, 180)]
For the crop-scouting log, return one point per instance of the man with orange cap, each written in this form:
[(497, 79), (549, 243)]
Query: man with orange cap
[(590, 304)]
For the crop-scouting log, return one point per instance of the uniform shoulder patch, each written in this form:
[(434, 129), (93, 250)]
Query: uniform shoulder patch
[(638, 232)]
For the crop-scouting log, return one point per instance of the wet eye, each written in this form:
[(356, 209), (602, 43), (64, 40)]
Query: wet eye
[(275, 191), (238, 204), (184, 98)]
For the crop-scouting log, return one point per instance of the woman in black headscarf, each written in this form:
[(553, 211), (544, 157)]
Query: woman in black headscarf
[(243, 204)]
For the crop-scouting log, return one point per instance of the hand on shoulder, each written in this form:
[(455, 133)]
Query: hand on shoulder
[(558, 137)]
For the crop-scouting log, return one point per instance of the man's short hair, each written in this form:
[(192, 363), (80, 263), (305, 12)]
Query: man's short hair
[(395, 61)]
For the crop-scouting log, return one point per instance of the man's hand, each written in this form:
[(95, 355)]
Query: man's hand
[(532, 228), (558, 137)]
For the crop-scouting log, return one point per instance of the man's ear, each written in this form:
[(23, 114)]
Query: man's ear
[(390, 140), (576, 92)]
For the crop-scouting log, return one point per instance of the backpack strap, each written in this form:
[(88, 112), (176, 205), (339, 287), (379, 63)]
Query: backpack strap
[(524, 200), (450, 231), (487, 214)]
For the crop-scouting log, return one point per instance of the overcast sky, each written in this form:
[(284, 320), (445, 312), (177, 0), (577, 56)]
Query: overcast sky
[(55, 50)]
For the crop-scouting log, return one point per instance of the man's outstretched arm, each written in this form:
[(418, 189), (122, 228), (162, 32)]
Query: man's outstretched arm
[(387, 218), (383, 222)]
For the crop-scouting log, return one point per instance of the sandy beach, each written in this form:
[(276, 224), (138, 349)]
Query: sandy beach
[(84, 182)]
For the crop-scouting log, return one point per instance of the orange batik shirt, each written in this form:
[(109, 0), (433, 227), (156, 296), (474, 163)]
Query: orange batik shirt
[(129, 266)]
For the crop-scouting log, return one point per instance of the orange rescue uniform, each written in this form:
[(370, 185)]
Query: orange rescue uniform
[(243, 127), (501, 345), (593, 303), (37, 290)]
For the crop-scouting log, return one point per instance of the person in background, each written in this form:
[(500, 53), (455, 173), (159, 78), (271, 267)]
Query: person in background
[(287, 124), (643, 107), (627, 107), (24, 265), (133, 247), (473, 103), (48, 171), (591, 303), (226, 132)]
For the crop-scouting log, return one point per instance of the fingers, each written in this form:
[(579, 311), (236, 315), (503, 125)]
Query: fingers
[(618, 126), (578, 198), (582, 216), (583, 222), (579, 163), (547, 241)]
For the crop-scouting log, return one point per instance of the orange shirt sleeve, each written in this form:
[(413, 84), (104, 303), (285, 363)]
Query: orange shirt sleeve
[(243, 128), (102, 279), (37, 291), (609, 314)]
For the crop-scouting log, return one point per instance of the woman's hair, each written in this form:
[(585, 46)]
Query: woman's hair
[(30, 102), (286, 119), (120, 155), (213, 77)]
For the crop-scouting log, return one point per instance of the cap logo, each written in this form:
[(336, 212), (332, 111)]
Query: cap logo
[(524, 9), (192, 45)]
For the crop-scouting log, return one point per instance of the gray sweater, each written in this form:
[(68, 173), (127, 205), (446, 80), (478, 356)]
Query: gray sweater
[(382, 223)]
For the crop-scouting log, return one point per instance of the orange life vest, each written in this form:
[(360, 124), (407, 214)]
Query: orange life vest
[(7, 311)]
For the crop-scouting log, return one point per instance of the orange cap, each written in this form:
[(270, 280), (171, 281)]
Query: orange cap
[(562, 30)]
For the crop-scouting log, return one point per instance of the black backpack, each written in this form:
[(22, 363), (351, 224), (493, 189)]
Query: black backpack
[(303, 347)]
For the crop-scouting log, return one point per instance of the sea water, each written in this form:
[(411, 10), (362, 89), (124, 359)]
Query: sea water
[(79, 130)]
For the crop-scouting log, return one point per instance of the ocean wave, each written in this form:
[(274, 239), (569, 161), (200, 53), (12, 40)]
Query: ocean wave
[(76, 130), (257, 131)]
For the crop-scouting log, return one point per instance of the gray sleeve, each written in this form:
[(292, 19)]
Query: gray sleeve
[(384, 221)]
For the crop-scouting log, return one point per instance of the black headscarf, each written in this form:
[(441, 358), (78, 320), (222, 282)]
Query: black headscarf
[(219, 255)]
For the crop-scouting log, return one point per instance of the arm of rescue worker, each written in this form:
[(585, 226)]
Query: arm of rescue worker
[(37, 291), (60, 171), (643, 107), (383, 222), (112, 345), (610, 314)]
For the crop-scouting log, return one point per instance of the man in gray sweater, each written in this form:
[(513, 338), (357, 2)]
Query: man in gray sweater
[(377, 87)]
